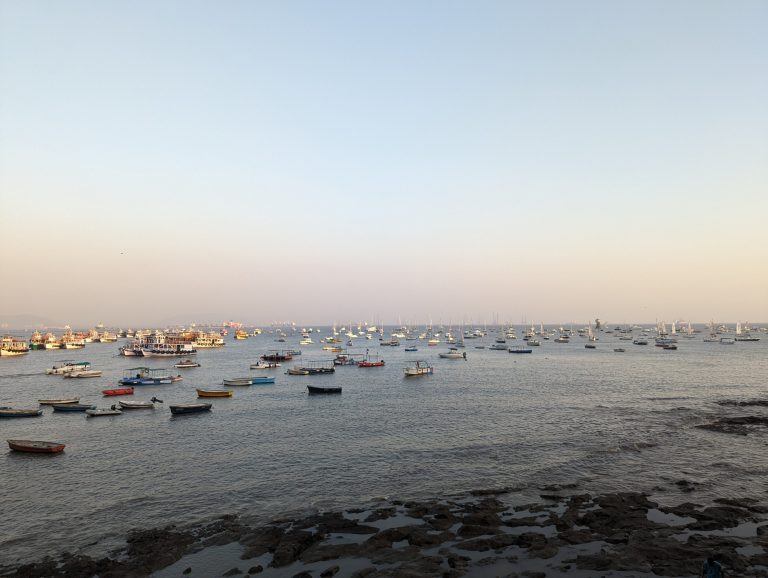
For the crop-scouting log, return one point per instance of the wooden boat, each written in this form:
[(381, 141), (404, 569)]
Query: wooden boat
[(138, 404), (84, 373), (35, 447), (214, 393), (297, 371), (10, 412), (102, 412), (59, 401), (421, 368), (176, 378), (277, 355), (249, 380), (72, 406), (186, 363), (184, 408), (117, 391), (322, 389)]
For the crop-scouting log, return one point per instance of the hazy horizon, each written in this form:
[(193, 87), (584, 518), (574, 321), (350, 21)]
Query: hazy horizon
[(340, 161)]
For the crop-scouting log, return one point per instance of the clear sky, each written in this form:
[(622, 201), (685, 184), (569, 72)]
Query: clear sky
[(320, 161)]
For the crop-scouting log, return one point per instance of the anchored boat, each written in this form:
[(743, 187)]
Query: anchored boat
[(184, 408), (35, 447)]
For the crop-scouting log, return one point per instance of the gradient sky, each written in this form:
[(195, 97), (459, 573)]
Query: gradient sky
[(321, 161)]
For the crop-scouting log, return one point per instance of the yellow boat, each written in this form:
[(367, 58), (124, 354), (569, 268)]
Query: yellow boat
[(214, 393)]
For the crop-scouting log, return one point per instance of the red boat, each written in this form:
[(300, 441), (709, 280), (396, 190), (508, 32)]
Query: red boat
[(35, 447), (118, 391), (367, 363)]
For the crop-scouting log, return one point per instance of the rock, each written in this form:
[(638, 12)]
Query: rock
[(572, 536), (302, 574), (232, 572), (255, 569), (319, 552), (261, 541), (291, 545), (363, 572), (187, 571), (328, 572), (470, 531)]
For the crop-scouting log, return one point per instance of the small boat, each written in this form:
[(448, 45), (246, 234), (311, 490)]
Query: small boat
[(102, 412), (60, 401), (640, 341), (175, 378), (297, 371), (411, 348), (453, 353), (371, 363), (184, 408), (186, 363), (670, 347), (84, 373), (498, 347), (66, 366), (520, 349), (139, 404), (117, 391), (590, 346), (145, 376), (265, 365), (214, 393), (619, 350), (249, 380), (10, 412), (420, 368), (320, 389), (35, 447), (72, 407)]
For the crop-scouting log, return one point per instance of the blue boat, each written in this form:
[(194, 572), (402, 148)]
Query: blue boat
[(145, 376), (10, 412), (72, 407), (411, 349), (184, 408), (249, 380)]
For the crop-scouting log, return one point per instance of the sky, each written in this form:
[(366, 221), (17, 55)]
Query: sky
[(380, 161)]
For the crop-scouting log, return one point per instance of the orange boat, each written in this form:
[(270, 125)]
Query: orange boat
[(118, 391), (35, 447)]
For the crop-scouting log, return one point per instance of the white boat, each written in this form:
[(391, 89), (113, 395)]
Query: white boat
[(727, 341), (10, 346), (186, 363), (102, 412), (453, 353), (420, 368), (169, 350), (138, 404), (85, 373), (65, 367), (265, 365)]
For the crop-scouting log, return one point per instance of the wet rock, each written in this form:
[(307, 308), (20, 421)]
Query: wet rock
[(187, 571), (424, 538), (470, 531), (291, 545), (751, 504), (686, 486), (718, 517), (493, 491), (335, 522), (491, 543), (232, 572), (573, 536), (302, 574), (328, 572), (517, 522), (255, 569), (381, 514), (363, 572), (319, 552), (261, 541), (618, 512)]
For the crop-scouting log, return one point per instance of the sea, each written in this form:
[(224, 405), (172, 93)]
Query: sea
[(594, 420)]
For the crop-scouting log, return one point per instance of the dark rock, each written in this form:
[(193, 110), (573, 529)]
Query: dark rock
[(470, 531), (302, 574), (261, 541), (363, 572), (319, 552), (255, 569), (517, 522), (291, 545), (573, 536), (423, 538), (233, 572), (187, 571), (328, 572)]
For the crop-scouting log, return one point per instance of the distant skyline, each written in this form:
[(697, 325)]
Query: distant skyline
[(342, 161)]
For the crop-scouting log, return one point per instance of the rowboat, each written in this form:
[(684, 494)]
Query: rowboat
[(10, 412), (214, 393), (297, 371), (84, 373), (137, 404), (55, 401), (187, 363), (72, 406), (249, 380), (102, 412), (117, 391), (321, 389), (35, 447), (184, 408)]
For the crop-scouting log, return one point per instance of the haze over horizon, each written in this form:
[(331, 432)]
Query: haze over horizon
[(321, 162)]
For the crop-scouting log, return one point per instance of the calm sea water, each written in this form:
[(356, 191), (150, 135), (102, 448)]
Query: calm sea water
[(563, 414)]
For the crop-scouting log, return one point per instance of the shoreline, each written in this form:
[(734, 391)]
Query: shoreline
[(495, 532)]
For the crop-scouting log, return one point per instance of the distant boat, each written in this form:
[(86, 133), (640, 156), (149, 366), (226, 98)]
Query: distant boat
[(297, 371), (186, 363), (670, 346), (498, 346), (60, 400), (453, 353), (10, 412), (249, 380), (138, 404), (65, 367), (727, 341), (102, 412), (117, 391), (640, 341), (590, 346), (64, 407), (214, 393), (411, 348), (619, 350), (36, 447), (185, 408), (520, 349), (321, 389), (420, 368), (265, 365)]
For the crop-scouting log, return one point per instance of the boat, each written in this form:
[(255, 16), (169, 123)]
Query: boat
[(453, 353), (590, 346), (265, 365), (72, 407), (51, 341), (323, 389), (241, 334), (498, 347), (11, 346), (185, 408), (169, 350), (85, 373), (520, 349), (296, 371), (368, 362), (102, 412), (277, 355), (249, 380), (67, 366), (36, 447), (534, 342), (670, 346), (727, 341), (411, 348), (186, 363), (58, 401), (37, 341), (640, 341), (145, 376), (117, 391), (214, 393), (420, 368), (345, 359), (619, 350), (10, 412), (318, 367), (139, 404)]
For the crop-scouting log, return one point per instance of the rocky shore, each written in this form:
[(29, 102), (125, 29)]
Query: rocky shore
[(559, 532)]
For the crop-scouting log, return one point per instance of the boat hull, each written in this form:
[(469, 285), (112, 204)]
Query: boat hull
[(190, 408), (318, 390), (36, 447), (214, 393), (117, 391)]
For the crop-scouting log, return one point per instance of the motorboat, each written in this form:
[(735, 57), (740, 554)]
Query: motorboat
[(520, 349), (139, 404), (102, 412), (65, 367), (83, 373), (58, 401), (453, 353), (185, 408), (419, 368), (145, 376), (186, 363), (249, 380), (265, 365), (117, 391)]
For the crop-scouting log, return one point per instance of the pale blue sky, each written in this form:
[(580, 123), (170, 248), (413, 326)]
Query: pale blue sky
[(324, 161)]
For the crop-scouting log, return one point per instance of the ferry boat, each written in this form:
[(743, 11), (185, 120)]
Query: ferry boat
[(11, 346), (51, 341), (37, 341), (169, 350), (241, 334), (72, 341), (208, 340)]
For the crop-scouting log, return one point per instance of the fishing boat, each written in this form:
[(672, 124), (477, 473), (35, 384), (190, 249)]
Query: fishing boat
[(83, 374), (323, 389), (102, 412), (145, 376), (10, 412), (419, 368), (35, 447), (520, 349), (117, 391), (72, 407), (453, 353), (318, 367), (37, 341), (214, 393), (58, 401), (11, 346), (139, 404), (345, 359), (265, 365), (370, 362), (186, 363), (185, 408)]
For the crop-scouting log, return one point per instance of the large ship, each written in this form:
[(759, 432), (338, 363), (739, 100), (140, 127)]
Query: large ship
[(11, 346)]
